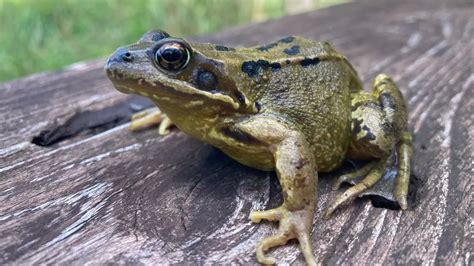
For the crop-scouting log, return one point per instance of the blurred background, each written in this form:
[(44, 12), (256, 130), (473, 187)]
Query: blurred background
[(41, 35)]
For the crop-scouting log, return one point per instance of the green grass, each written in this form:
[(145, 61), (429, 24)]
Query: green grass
[(40, 35)]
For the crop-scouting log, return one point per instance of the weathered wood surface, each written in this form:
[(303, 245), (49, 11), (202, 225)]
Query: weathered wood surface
[(109, 196)]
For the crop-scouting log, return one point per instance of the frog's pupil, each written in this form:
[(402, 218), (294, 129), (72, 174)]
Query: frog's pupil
[(172, 54)]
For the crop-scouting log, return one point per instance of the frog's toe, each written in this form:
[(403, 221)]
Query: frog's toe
[(403, 176), (353, 175), (270, 215), (293, 224), (141, 114), (149, 118), (402, 201), (145, 119), (374, 175), (272, 241), (165, 124)]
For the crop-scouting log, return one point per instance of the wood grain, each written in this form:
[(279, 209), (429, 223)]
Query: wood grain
[(115, 197)]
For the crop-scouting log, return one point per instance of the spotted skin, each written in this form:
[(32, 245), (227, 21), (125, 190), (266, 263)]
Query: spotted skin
[(288, 39), (369, 137), (293, 50), (379, 125), (267, 47), (224, 48), (294, 106)]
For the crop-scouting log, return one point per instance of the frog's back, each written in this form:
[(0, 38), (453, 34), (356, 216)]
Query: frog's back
[(311, 90), (303, 82)]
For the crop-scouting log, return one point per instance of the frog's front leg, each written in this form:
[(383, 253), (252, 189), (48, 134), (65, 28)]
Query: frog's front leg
[(296, 172), (151, 117)]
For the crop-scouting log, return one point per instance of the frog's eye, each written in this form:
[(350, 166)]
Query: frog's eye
[(172, 56)]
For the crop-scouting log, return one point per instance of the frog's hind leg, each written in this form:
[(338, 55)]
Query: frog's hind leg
[(379, 125), (374, 175), (353, 175), (396, 115), (149, 118)]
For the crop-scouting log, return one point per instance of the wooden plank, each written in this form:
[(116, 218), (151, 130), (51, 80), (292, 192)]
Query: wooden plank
[(116, 197)]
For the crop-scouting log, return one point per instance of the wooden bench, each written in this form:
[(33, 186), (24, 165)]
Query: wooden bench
[(96, 193)]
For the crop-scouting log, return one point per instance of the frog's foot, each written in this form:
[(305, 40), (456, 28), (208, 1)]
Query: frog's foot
[(374, 174), (293, 224), (165, 124), (353, 175), (151, 117)]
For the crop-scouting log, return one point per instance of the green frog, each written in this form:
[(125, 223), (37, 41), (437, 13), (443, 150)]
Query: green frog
[(294, 106)]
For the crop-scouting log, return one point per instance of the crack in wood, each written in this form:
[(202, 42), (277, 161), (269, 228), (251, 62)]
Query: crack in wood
[(92, 122)]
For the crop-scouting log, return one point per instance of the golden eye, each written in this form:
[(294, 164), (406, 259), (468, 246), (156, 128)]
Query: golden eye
[(172, 56)]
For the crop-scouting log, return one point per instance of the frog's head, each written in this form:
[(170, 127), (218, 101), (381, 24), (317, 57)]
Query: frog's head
[(184, 79)]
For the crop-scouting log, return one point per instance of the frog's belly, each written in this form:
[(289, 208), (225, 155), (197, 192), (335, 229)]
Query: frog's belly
[(329, 152), (253, 156), (261, 158)]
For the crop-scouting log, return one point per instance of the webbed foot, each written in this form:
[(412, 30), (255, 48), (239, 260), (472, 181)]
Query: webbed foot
[(293, 224), (353, 175), (373, 172), (151, 117)]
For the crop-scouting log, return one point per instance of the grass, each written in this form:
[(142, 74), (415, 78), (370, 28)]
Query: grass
[(40, 35)]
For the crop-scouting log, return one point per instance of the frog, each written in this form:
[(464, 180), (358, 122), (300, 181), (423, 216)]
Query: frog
[(294, 106)]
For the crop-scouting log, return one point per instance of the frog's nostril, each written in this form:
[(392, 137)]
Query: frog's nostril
[(127, 57)]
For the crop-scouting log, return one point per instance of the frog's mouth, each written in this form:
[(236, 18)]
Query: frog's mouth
[(165, 90)]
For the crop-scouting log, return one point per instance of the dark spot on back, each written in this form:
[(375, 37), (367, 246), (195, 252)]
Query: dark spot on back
[(267, 47), (252, 68), (275, 66), (264, 64), (293, 50), (258, 105), (287, 39), (287, 61), (309, 61), (224, 48)]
